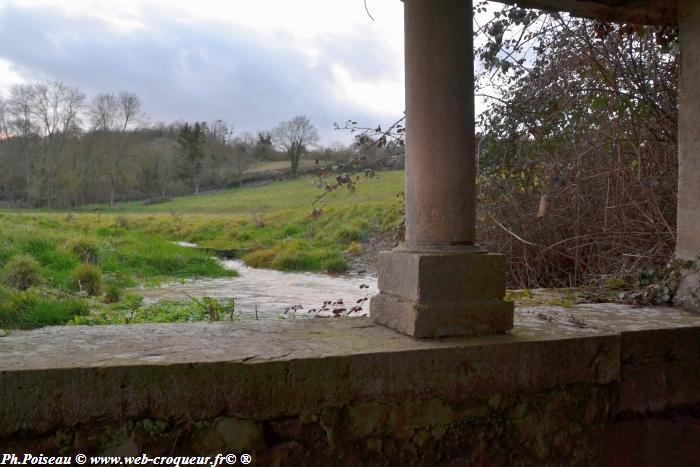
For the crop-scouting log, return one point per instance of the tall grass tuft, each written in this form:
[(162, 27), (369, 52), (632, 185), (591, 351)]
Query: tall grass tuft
[(22, 272), (87, 278), (26, 309), (85, 249)]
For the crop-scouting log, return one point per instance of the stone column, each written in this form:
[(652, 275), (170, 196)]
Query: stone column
[(439, 283), (688, 239)]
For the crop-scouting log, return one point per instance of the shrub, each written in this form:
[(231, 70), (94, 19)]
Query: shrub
[(132, 310), (85, 250), (37, 245), (348, 234), (157, 200), (215, 309), (292, 259), (22, 272), (88, 278), (354, 248), (337, 264), (34, 308), (291, 231), (113, 294), (261, 258), (122, 222)]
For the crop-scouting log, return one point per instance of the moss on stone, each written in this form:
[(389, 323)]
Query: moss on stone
[(240, 435), (155, 429)]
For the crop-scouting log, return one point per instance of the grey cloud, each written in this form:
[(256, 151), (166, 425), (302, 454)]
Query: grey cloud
[(191, 71)]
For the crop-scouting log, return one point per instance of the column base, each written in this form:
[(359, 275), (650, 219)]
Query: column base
[(454, 292), (688, 293)]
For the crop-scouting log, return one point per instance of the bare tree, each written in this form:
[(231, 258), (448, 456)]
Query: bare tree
[(112, 118), (7, 164), (218, 136), (103, 112), (241, 154), (4, 131), (56, 106), (295, 136), (51, 111), (22, 134)]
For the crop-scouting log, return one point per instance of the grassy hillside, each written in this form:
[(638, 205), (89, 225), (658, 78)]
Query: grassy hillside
[(271, 226), (294, 195)]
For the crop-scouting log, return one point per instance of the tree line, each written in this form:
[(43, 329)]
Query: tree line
[(58, 149)]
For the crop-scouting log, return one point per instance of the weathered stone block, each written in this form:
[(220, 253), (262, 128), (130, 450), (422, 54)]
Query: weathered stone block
[(433, 294), (688, 293), (442, 277), (442, 318)]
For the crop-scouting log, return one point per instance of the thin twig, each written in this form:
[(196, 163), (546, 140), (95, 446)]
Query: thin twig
[(367, 10), (514, 234)]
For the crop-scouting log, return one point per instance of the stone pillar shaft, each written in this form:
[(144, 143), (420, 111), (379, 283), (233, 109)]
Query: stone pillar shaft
[(439, 283), (689, 133), (688, 237), (440, 169)]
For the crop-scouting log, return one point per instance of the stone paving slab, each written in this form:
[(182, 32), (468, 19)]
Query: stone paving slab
[(612, 317)]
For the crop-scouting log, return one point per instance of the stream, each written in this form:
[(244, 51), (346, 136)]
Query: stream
[(272, 292)]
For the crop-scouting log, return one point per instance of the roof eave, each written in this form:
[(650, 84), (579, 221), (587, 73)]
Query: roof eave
[(657, 12)]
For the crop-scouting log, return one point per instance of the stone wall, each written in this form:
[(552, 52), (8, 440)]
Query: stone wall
[(611, 386), (573, 425), (558, 426)]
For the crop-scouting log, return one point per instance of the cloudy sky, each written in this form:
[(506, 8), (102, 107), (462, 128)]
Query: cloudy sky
[(252, 63)]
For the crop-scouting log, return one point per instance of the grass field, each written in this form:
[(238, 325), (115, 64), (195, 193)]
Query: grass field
[(284, 165), (50, 259), (60, 266), (297, 195), (271, 226)]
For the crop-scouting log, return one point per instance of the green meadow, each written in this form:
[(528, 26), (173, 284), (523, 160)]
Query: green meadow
[(272, 226), (77, 267), (293, 195)]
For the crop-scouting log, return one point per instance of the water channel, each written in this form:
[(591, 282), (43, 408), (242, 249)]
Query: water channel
[(273, 293)]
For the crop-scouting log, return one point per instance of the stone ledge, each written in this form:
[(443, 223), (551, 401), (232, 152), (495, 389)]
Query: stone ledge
[(60, 377)]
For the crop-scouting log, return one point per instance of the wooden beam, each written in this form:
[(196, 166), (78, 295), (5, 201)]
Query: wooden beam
[(661, 12)]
